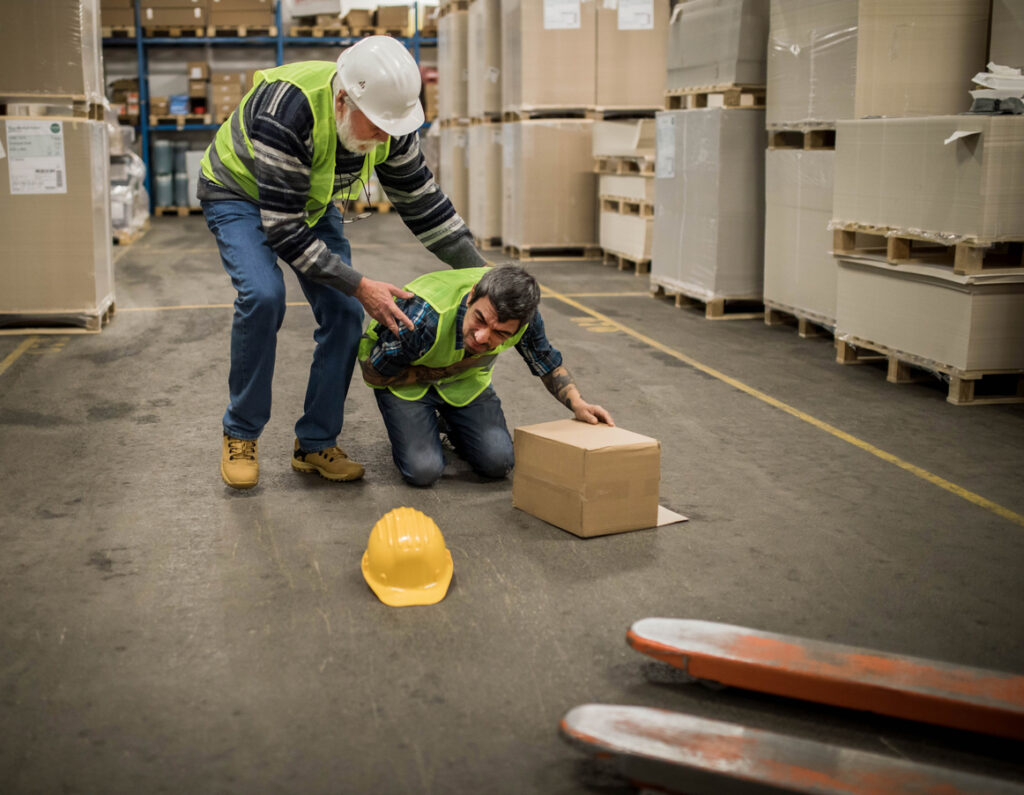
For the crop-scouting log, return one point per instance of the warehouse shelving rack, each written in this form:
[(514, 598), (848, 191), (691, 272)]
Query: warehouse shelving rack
[(279, 42)]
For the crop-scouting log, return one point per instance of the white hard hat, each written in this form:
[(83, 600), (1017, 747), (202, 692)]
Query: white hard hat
[(382, 79)]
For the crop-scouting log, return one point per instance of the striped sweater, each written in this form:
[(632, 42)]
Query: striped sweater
[(279, 122)]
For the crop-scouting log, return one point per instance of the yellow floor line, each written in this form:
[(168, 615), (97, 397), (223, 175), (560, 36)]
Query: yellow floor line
[(14, 355), (645, 293), (924, 474)]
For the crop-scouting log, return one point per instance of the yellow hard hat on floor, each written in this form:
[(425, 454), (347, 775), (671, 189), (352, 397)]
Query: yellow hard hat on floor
[(406, 561)]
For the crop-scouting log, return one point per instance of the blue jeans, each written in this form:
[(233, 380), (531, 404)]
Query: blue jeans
[(259, 312), (477, 431)]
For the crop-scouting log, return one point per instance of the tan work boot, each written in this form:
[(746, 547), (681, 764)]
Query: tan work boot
[(331, 463), (238, 463)]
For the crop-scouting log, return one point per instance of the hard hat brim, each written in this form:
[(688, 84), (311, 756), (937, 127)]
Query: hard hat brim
[(407, 597), (396, 128)]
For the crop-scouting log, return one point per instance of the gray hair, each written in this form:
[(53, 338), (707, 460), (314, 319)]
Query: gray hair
[(513, 291)]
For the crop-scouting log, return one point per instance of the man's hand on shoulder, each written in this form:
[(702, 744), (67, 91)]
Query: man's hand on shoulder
[(378, 299)]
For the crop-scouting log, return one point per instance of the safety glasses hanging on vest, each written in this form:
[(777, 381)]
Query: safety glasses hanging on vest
[(358, 216)]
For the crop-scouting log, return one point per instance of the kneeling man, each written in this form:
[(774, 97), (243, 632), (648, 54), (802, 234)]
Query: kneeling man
[(441, 368)]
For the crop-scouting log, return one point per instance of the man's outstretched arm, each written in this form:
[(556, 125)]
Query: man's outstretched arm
[(560, 384)]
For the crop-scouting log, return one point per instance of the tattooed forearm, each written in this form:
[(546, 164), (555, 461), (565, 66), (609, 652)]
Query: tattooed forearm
[(560, 384)]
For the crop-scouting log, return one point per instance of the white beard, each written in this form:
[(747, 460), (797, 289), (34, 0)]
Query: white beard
[(348, 139)]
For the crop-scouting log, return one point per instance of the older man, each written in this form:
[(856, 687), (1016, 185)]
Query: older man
[(305, 136), (441, 368)]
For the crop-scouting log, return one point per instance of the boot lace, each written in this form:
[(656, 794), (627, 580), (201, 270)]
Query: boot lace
[(242, 449)]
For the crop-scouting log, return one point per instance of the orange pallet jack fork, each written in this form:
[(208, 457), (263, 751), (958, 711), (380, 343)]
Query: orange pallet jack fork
[(974, 699), (683, 753)]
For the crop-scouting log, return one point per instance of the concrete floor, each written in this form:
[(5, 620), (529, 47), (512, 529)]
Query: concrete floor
[(163, 633)]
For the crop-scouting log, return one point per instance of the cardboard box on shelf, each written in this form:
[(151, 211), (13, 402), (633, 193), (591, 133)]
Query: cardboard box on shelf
[(173, 13), (717, 42), (959, 176), (228, 78), (198, 70), (590, 480), (240, 5), (453, 77), (231, 19), (812, 62), (927, 311), (198, 88), (548, 55), (51, 50), (709, 200), (548, 184), (626, 138), (397, 18), (358, 18), (308, 8), (483, 58), (631, 55), (159, 106), (57, 218), (484, 213), (454, 176), (117, 17), (1006, 33), (799, 269), (917, 57)]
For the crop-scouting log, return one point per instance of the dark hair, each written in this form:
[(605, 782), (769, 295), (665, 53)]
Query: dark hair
[(513, 291)]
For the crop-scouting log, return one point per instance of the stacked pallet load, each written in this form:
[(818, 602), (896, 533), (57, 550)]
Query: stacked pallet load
[(453, 102), (928, 209), (484, 107), (624, 153), (55, 176), (812, 66), (709, 166), (240, 18)]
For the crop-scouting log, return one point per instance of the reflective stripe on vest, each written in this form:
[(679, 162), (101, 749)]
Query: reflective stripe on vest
[(229, 160), (444, 291)]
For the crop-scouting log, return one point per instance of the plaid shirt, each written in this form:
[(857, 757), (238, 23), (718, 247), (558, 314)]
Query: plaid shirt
[(392, 355)]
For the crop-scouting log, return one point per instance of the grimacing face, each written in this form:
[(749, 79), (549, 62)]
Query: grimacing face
[(481, 331)]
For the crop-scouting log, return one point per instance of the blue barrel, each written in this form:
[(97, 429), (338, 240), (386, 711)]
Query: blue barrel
[(164, 190), (180, 147), (181, 197), (163, 159)]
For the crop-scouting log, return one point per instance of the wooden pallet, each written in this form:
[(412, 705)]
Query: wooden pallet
[(554, 114), (319, 31), (966, 257), (639, 209), (729, 96), (714, 308), (808, 324), (966, 387), (241, 31), (487, 118), (626, 166), (487, 243), (175, 32), (118, 32), (57, 322), (625, 262), (124, 237), (57, 104), (559, 253), (179, 120), (179, 211), (802, 139)]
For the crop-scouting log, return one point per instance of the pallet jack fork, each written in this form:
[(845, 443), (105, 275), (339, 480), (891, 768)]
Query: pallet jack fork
[(685, 753)]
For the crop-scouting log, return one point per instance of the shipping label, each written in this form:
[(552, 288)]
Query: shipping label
[(562, 14), (636, 14), (36, 157)]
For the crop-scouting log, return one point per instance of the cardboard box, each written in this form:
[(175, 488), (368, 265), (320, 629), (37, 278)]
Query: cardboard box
[(812, 62), (198, 88), (638, 188), (631, 55), (902, 174), (548, 184), (453, 76), (57, 245), (240, 5), (717, 43), (1006, 33), (632, 138), (430, 100), (308, 8), (183, 16), (454, 176), (228, 78), (51, 50), (917, 57), (799, 269), (485, 148), (234, 19), (198, 70), (117, 17), (709, 202), (966, 322), (626, 235), (591, 480), (548, 58), (397, 18), (358, 18), (484, 58), (160, 106)]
